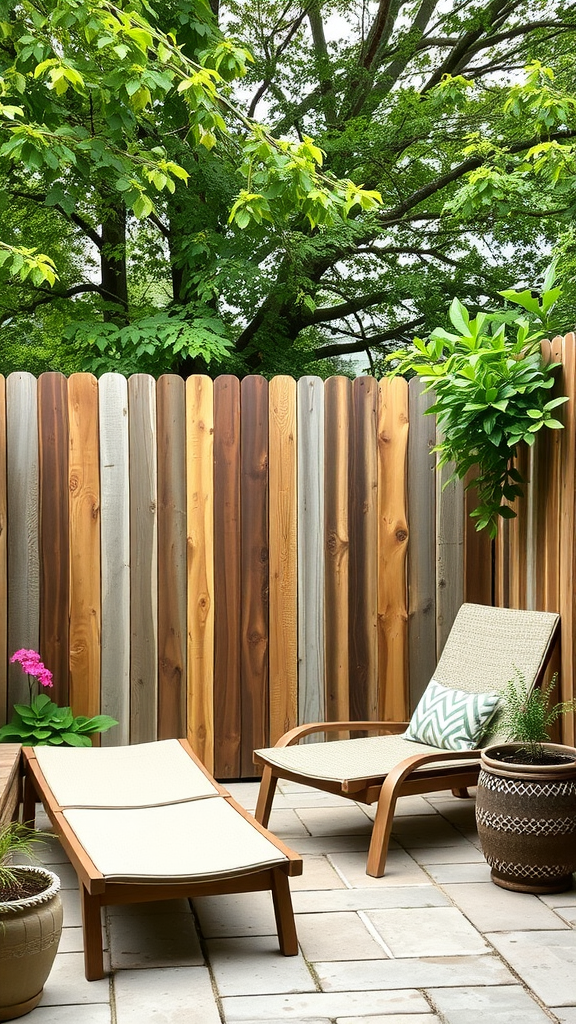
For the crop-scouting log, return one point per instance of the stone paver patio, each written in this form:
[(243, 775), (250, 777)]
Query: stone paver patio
[(433, 942)]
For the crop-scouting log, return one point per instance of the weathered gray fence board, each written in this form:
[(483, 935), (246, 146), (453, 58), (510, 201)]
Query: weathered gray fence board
[(449, 552), (23, 553), (115, 554)]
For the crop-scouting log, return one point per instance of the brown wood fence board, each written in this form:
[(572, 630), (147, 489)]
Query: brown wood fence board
[(337, 412), (312, 674), (115, 555), (200, 568), (255, 560), (363, 520), (84, 515), (567, 572), (518, 539), (422, 545), (449, 553), (548, 505), (227, 565), (283, 654), (3, 559), (171, 422), (23, 549), (143, 558), (392, 550), (54, 529), (478, 553)]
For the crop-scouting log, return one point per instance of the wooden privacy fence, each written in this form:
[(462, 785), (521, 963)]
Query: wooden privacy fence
[(223, 559)]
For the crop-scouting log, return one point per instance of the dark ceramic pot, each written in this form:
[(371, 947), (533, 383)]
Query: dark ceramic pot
[(526, 818)]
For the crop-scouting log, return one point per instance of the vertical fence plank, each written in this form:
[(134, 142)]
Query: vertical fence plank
[(254, 529), (3, 560), (283, 654), (548, 503), (567, 571), (200, 544), (171, 416), (392, 550), (54, 529), (449, 552), (227, 564), (363, 522), (143, 558), (23, 548), (115, 554), (84, 512), (518, 538), (478, 553), (310, 430), (337, 411), (421, 552)]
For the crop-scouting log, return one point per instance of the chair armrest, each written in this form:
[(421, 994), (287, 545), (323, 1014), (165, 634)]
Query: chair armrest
[(296, 734)]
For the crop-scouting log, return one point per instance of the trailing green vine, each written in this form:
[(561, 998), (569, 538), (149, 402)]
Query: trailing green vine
[(492, 390)]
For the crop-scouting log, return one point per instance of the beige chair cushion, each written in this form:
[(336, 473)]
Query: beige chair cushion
[(351, 760), (175, 843), (144, 775)]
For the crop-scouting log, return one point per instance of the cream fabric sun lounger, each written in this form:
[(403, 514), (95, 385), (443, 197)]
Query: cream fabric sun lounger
[(148, 822)]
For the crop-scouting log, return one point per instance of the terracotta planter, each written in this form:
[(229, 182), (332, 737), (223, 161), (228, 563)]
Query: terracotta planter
[(30, 931), (526, 818)]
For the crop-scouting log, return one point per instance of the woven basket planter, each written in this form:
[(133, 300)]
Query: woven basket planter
[(526, 818), (30, 931)]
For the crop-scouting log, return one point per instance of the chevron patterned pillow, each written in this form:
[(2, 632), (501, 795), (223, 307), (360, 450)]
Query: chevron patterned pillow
[(451, 719)]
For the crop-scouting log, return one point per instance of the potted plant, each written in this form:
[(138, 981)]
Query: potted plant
[(42, 722), (30, 922), (526, 798)]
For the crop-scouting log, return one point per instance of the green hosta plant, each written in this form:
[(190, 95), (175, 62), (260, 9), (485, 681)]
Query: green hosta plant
[(492, 391), (41, 722), (526, 716)]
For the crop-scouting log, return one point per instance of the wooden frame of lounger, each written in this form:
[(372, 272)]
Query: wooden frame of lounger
[(96, 892), (415, 774)]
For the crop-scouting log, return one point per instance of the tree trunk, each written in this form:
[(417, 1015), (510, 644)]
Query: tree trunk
[(113, 263)]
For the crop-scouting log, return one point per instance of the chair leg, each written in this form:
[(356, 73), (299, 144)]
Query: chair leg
[(265, 796), (29, 803), (378, 850), (92, 928), (461, 793), (284, 913)]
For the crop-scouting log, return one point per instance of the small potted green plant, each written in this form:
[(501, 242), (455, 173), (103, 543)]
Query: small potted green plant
[(526, 800), (30, 922), (44, 722)]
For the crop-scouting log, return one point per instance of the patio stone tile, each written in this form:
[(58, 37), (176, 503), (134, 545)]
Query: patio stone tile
[(91, 1013), (245, 913), (66, 874), (336, 936), (246, 793), (326, 821), (395, 1018), (426, 831), (401, 869), (71, 907), (286, 825), (51, 852), (464, 853), (493, 909), (318, 874), (296, 1020), (567, 914), (500, 1004), (565, 1014), (428, 931), (310, 1006), (560, 899), (67, 985), (315, 798), (335, 844), (407, 806), (72, 941), (545, 960), (167, 939), (421, 972), (446, 873), (165, 996), (255, 965), (370, 898)]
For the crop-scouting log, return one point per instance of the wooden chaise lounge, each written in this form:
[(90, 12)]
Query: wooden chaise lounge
[(148, 822)]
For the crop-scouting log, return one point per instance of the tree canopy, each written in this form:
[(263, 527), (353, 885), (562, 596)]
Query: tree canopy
[(274, 186)]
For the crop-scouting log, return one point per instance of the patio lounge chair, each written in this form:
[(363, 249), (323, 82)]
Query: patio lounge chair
[(148, 822), (485, 648)]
